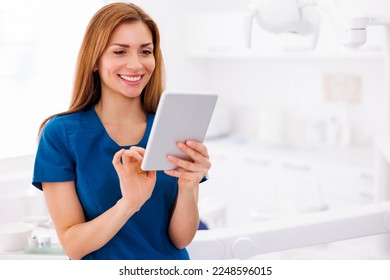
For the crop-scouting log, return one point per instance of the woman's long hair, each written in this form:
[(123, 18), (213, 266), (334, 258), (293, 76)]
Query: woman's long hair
[(87, 88)]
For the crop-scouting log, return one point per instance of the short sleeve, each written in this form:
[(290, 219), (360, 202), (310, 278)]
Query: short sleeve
[(53, 161)]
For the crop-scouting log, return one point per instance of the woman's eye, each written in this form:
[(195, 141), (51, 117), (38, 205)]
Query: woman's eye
[(146, 52), (119, 52)]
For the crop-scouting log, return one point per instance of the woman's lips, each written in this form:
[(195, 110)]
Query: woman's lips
[(132, 78)]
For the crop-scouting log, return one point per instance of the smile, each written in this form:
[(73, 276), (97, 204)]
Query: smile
[(131, 78)]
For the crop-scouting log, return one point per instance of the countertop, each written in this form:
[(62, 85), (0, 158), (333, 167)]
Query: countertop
[(54, 252)]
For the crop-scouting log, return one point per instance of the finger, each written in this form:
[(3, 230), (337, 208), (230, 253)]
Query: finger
[(131, 155), (199, 147), (184, 164), (116, 161), (194, 155), (183, 174), (188, 168), (140, 150)]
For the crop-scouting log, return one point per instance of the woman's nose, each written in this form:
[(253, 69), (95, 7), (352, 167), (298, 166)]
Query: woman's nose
[(134, 62)]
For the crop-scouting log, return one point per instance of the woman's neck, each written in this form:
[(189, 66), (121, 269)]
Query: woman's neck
[(125, 121), (127, 110)]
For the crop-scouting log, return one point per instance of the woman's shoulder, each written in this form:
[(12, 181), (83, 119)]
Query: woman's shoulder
[(61, 120), (65, 122)]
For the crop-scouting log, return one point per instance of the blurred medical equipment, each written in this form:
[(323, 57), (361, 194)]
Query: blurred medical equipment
[(301, 17), (299, 231), (283, 16)]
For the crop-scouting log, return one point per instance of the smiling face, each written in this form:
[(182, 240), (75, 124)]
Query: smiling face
[(127, 63)]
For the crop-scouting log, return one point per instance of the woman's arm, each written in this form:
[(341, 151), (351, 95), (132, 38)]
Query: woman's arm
[(78, 237), (185, 218)]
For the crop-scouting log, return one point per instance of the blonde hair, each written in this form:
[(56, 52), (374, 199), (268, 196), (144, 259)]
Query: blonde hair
[(86, 88)]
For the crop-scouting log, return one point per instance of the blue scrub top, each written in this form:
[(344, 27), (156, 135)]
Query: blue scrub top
[(76, 147)]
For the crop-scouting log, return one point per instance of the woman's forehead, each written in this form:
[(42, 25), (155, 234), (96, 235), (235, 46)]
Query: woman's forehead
[(131, 33)]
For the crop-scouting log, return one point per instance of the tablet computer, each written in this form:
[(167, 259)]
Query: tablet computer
[(180, 116)]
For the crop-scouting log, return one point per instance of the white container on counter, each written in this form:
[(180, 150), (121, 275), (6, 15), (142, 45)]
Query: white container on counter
[(14, 236)]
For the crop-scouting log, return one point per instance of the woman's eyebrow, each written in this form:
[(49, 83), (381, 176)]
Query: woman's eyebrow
[(147, 44), (120, 45), (128, 46)]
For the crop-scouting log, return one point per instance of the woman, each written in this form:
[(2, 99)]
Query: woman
[(102, 204)]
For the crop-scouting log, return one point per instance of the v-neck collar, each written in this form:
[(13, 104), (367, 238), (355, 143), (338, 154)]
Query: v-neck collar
[(141, 143)]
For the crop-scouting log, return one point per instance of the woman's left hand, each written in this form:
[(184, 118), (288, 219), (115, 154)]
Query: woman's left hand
[(190, 172)]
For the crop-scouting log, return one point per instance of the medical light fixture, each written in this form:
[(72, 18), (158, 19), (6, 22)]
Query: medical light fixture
[(282, 16)]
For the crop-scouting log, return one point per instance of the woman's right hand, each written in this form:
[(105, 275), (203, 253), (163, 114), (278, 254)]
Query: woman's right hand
[(136, 185)]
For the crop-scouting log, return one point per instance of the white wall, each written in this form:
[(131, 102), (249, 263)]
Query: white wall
[(39, 41)]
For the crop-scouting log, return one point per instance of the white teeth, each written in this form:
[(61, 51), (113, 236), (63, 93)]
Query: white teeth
[(131, 79)]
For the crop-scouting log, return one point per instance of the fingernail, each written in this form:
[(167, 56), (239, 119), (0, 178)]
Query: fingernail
[(180, 144)]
